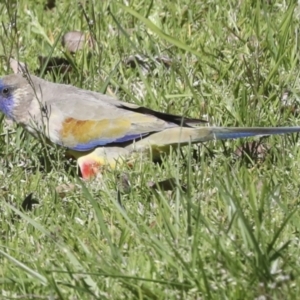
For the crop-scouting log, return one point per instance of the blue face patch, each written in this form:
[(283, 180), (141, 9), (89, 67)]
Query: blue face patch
[(6, 99)]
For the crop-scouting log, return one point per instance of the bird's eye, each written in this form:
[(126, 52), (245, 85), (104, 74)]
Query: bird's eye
[(5, 91)]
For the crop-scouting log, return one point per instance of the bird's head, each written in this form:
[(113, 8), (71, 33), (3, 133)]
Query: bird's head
[(16, 93)]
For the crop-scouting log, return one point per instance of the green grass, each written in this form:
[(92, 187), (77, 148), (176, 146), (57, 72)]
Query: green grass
[(229, 228)]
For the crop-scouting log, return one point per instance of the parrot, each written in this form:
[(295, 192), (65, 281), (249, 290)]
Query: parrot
[(99, 130)]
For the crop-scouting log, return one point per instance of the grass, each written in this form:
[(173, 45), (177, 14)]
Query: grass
[(229, 227)]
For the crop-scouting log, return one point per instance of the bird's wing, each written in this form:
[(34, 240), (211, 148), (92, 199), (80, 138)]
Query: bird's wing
[(184, 136), (82, 120)]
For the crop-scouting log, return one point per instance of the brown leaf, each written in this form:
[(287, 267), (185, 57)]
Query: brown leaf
[(164, 185), (123, 182), (254, 150), (17, 66), (165, 60), (63, 189), (145, 63), (73, 41), (288, 104), (55, 64)]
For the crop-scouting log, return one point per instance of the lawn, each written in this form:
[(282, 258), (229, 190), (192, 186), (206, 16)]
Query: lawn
[(226, 224)]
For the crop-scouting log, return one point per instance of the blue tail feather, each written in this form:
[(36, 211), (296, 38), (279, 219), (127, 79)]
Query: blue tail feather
[(234, 133)]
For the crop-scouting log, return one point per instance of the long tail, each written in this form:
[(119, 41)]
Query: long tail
[(220, 133), (184, 135)]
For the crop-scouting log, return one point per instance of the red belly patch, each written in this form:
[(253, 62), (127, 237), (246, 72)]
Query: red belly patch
[(89, 169)]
